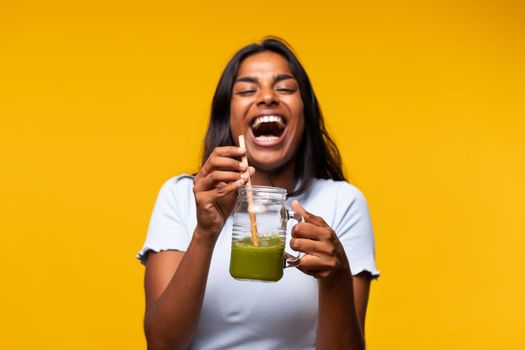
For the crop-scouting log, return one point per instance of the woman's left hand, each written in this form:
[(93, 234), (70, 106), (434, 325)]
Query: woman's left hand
[(324, 257)]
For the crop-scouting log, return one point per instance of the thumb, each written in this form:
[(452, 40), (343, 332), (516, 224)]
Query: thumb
[(308, 217), (298, 207)]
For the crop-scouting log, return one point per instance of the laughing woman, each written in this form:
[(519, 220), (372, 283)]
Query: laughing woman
[(191, 301)]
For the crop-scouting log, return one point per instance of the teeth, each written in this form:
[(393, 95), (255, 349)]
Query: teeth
[(268, 119), (266, 138)]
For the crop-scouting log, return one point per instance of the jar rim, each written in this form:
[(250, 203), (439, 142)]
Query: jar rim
[(265, 189)]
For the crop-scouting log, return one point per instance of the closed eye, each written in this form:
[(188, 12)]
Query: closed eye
[(245, 92), (285, 90)]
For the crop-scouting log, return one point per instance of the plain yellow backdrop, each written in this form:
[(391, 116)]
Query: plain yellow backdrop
[(102, 101)]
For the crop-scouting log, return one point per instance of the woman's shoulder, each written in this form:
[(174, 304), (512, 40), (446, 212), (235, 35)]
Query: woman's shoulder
[(337, 202), (182, 180), (177, 186)]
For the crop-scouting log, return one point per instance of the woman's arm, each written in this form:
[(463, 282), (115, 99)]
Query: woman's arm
[(361, 284), (342, 309), (175, 281), (342, 298)]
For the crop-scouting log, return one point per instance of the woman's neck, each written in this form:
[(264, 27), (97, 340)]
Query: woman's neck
[(283, 178)]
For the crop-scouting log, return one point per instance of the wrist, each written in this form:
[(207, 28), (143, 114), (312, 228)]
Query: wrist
[(341, 278), (204, 237)]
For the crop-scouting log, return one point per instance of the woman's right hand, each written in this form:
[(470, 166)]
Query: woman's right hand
[(214, 188)]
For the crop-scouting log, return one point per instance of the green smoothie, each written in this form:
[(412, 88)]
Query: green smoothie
[(264, 262)]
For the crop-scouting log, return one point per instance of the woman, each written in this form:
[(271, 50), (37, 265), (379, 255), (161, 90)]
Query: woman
[(191, 301)]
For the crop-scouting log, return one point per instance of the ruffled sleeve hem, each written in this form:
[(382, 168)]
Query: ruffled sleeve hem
[(372, 270), (143, 253)]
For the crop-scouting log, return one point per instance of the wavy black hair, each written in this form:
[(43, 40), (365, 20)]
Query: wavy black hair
[(317, 156)]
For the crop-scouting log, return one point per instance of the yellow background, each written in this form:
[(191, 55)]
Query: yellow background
[(102, 101)]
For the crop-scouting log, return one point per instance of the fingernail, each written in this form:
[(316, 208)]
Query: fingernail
[(240, 150), (239, 182), (242, 165), (244, 176)]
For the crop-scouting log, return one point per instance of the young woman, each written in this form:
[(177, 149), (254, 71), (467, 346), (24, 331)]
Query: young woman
[(191, 300)]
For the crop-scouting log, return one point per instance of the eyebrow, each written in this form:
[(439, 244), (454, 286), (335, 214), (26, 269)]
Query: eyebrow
[(277, 79)]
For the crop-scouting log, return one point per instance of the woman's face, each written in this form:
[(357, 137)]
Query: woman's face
[(266, 107)]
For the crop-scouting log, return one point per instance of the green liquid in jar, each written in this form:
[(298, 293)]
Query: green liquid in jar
[(264, 262)]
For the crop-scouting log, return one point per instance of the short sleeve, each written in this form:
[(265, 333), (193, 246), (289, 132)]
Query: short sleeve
[(172, 219), (354, 229)]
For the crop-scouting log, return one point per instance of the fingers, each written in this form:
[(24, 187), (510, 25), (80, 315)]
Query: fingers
[(317, 266), (207, 199), (312, 231), (315, 272), (251, 171), (228, 151), (221, 163), (215, 184), (322, 266), (216, 177), (315, 242), (312, 247), (204, 183), (324, 255), (220, 176), (222, 159)]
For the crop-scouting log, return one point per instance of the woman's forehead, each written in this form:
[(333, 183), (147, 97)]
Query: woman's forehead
[(263, 64)]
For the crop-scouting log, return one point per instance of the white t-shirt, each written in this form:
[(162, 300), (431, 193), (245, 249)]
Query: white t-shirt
[(258, 315)]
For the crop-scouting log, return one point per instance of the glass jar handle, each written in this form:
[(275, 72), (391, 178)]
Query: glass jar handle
[(289, 259)]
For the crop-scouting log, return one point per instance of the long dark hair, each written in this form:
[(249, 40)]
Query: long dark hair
[(317, 156)]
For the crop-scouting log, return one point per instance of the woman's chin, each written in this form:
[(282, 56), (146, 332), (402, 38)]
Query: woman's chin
[(272, 162)]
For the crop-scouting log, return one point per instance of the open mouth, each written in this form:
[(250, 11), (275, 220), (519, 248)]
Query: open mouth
[(268, 128)]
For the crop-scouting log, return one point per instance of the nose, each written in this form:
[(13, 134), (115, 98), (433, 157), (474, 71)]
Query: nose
[(266, 97)]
